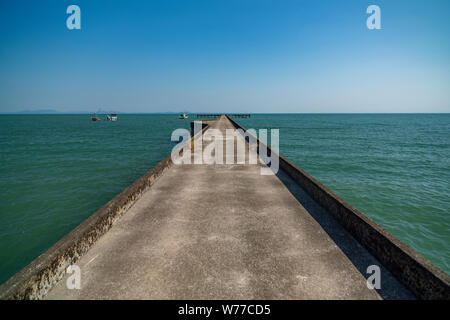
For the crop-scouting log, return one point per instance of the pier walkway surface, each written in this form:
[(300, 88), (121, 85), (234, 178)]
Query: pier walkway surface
[(226, 232)]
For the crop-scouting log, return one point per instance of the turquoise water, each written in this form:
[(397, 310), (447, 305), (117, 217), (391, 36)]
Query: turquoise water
[(56, 170)]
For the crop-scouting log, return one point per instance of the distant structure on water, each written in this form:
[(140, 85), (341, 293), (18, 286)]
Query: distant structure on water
[(232, 115), (94, 117), (111, 117)]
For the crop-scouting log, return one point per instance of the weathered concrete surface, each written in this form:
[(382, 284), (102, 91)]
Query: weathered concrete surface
[(34, 281), (225, 231)]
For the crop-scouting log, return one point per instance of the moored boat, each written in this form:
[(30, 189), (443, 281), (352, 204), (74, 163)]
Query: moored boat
[(111, 117), (95, 118)]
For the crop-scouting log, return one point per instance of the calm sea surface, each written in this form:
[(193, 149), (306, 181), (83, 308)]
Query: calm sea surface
[(56, 170)]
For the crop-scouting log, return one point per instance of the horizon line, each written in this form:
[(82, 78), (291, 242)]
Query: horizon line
[(218, 113)]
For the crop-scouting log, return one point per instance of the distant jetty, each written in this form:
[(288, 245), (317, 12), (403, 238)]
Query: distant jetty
[(231, 115)]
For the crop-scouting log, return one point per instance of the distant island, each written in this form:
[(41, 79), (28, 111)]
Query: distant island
[(38, 111), (52, 111)]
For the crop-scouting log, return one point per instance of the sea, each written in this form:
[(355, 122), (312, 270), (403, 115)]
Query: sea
[(56, 170)]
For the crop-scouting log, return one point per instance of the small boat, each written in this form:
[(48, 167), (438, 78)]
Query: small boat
[(183, 116), (111, 117), (95, 118)]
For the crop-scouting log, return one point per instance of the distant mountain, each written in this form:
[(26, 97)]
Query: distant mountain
[(38, 111), (52, 111)]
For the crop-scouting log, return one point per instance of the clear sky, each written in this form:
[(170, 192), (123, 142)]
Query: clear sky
[(225, 56)]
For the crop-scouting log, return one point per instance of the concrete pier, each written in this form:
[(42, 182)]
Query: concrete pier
[(221, 231)]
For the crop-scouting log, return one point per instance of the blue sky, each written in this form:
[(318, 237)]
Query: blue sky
[(225, 56)]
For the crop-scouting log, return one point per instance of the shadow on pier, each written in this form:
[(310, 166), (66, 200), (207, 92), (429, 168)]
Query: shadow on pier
[(391, 288)]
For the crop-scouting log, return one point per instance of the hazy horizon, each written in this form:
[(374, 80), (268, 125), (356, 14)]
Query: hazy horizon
[(83, 112)]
